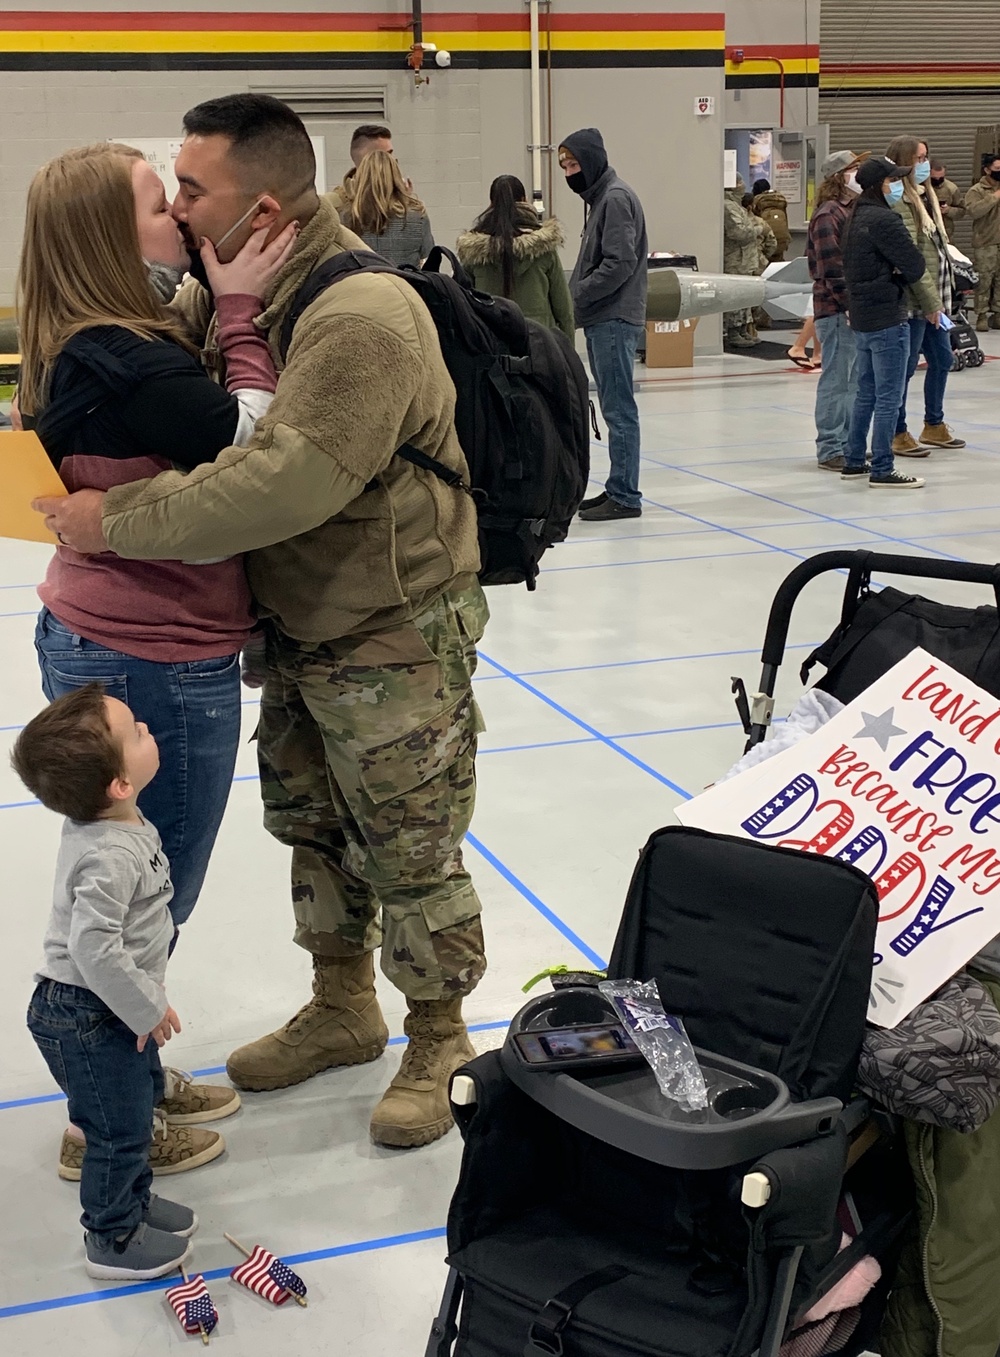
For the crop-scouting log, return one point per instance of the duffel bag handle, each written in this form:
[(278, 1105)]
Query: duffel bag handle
[(432, 264)]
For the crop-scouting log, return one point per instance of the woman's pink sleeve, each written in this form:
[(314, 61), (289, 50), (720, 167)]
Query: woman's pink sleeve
[(249, 364)]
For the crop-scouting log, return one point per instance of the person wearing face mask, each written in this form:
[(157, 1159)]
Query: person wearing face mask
[(949, 195), (982, 202), (608, 287), (880, 263), (115, 392), (929, 300), (837, 385)]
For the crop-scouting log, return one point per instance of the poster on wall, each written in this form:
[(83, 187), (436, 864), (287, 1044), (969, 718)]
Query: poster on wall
[(787, 179), (903, 783), (752, 148), (162, 152)]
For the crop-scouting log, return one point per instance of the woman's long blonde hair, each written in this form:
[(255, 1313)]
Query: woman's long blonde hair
[(379, 193), (81, 264), (926, 208)]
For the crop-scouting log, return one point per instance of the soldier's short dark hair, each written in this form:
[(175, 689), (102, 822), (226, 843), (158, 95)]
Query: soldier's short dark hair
[(67, 756), (268, 139), (369, 132)]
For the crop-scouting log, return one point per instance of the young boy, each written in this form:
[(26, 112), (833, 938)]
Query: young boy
[(99, 1013)]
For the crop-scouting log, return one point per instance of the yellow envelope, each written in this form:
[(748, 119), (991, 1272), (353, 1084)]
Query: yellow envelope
[(25, 474)]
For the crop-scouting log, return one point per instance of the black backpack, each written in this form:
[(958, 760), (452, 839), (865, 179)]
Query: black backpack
[(521, 416)]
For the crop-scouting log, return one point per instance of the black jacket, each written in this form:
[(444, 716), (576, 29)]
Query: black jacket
[(880, 262), (609, 280)]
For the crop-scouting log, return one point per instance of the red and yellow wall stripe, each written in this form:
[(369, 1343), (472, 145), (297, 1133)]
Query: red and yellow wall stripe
[(164, 40), (759, 68), (914, 77)]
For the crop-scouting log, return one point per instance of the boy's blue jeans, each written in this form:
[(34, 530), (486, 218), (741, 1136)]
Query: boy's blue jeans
[(193, 712), (611, 349), (881, 370), (112, 1089)]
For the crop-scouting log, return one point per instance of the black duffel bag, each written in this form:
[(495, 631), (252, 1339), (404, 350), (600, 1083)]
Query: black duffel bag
[(877, 629)]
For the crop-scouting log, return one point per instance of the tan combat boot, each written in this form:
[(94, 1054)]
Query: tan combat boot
[(341, 1025), (415, 1108)]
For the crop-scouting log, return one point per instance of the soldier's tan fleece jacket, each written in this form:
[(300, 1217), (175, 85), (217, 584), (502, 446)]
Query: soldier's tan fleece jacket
[(326, 557)]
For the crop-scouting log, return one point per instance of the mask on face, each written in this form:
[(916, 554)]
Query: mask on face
[(851, 183), (995, 174), (577, 182), (165, 279), (922, 172), (197, 266), (895, 192), (937, 180)]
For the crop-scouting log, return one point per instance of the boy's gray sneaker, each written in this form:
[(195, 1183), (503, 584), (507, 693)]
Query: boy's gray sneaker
[(141, 1254), (175, 1219)]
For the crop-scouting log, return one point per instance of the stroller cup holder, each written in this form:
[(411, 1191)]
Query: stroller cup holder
[(612, 1093)]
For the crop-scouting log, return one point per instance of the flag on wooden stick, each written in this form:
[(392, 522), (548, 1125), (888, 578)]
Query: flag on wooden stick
[(265, 1273), (193, 1306)]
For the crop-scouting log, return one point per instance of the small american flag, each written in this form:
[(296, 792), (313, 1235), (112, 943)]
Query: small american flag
[(269, 1277), (193, 1306)]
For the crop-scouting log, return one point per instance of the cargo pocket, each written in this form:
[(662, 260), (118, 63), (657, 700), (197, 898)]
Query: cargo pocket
[(418, 792)]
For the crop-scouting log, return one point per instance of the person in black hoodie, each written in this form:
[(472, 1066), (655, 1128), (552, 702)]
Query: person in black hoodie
[(608, 287), (880, 262)]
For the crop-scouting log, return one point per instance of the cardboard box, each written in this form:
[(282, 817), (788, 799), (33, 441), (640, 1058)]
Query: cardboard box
[(670, 343)]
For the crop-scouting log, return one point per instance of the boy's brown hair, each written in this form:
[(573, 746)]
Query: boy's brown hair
[(68, 757)]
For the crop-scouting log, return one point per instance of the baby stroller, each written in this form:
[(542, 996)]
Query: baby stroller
[(966, 352), (594, 1219)]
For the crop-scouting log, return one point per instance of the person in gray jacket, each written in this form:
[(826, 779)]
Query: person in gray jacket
[(608, 287)]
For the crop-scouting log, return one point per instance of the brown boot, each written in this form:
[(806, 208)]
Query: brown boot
[(905, 445), (341, 1025), (940, 436), (415, 1108), (983, 324)]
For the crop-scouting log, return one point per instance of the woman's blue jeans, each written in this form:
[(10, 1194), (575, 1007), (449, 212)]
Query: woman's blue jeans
[(193, 711), (881, 371), (935, 345)]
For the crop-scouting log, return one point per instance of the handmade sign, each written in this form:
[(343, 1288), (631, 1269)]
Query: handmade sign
[(904, 783)]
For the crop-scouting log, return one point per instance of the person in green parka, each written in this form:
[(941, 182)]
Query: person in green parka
[(511, 254)]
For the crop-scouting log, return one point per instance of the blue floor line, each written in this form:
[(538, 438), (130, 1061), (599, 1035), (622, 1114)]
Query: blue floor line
[(660, 659), (592, 730), (528, 894), (220, 1069), (217, 1274), (656, 560), (29, 612)]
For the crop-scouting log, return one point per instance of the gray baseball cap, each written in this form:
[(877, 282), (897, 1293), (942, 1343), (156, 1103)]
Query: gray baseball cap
[(841, 160)]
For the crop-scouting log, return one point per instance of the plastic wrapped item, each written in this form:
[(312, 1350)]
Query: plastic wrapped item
[(661, 1039)]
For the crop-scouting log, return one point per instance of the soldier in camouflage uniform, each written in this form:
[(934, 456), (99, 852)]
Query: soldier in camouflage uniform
[(364, 570)]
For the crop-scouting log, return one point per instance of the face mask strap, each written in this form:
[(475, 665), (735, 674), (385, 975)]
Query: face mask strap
[(237, 224)]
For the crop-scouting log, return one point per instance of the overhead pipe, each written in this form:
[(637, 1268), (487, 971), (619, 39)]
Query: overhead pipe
[(736, 56), (537, 198)]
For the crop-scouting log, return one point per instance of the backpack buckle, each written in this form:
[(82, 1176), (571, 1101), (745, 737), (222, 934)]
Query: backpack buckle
[(510, 362), (545, 1334)]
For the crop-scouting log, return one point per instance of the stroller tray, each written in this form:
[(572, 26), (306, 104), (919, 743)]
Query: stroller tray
[(616, 1098)]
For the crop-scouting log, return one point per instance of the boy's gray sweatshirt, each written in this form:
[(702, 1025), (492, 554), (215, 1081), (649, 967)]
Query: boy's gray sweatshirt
[(110, 928)]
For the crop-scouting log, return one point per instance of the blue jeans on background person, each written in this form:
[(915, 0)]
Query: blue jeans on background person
[(112, 1089), (881, 372), (935, 345), (193, 711), (837, 386), (611, 348)]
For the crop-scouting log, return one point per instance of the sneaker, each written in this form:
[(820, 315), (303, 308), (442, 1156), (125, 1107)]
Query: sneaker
[(594, 502), (832, 464), (940, 436), (175, 1149), (140, 1255), (189, 1104), (905, 445), (171, 1217), (896, 481), (609, 511), (849, 473)]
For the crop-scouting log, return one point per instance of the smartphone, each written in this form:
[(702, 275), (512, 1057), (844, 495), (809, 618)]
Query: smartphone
[(567, 1044)]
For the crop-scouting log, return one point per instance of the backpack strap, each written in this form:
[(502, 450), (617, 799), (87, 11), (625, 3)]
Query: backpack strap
[(545, 1334), (324, 276), (101, 375), (432, 264)]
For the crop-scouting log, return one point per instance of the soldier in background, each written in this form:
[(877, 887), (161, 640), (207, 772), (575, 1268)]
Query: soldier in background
[(949, 195), (743, 235), (982, 202)]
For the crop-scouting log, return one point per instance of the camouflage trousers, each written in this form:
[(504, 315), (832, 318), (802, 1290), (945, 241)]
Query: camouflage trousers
[(987, 263), (367, 750)]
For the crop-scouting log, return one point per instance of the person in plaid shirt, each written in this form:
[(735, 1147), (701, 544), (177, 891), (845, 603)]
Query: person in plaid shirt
[(837, 386)]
